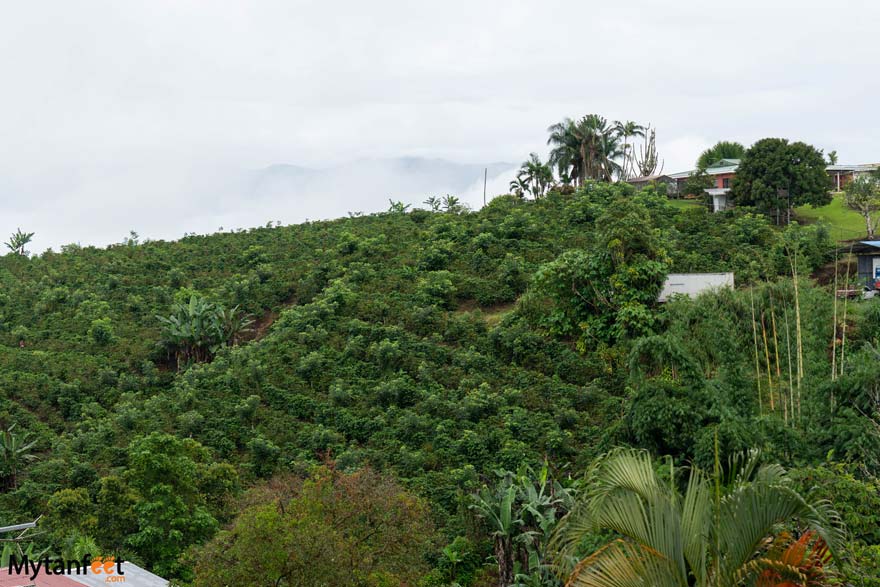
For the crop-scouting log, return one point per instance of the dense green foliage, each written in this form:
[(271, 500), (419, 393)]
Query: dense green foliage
[(775, 175), (435, 346)]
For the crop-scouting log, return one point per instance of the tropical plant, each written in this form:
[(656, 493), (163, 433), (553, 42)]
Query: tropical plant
[(534, 177), (565, 155), (718, 151), (15, 452), (519, 186), (832, 158), (625, 130), (648, 159), (196, 330), (452, 204), (521, 511), (397, 207), (18, 241), (590, 148), (724, 530), (433, 203)]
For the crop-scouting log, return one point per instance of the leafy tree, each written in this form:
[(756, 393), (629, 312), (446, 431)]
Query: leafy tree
[(862, 194), (606, 293), (775, 176), (832, 158), (720, 150), (697, 184), (714, 533), (357, 529), (171, 513), (18, 241), (101, 331)]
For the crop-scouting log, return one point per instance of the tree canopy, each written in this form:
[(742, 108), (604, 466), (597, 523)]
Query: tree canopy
[(774, 176)]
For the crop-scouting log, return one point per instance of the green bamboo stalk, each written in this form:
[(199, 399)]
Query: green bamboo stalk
[(767, 359), (755, 340), (834, 321)]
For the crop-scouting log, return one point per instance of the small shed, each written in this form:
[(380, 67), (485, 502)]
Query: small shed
[(693, 284), (868, 256)]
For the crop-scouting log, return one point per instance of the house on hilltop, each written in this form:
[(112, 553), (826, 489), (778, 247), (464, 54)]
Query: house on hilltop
[(723, 171)]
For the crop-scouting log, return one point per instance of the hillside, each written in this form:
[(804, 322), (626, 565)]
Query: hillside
[(436, 347)]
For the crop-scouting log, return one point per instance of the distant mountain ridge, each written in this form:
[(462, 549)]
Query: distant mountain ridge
[(371, 181)]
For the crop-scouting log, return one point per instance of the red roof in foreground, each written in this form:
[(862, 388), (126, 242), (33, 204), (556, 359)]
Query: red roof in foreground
[(42, 580)]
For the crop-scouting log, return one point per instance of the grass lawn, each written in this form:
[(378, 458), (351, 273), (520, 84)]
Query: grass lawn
[(684, 204), (845, 223)]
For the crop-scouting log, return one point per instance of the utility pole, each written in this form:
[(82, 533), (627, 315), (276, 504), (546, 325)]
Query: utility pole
[(485, 179)]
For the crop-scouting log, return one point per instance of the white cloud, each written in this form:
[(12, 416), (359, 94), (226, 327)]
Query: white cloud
[(123, 114)]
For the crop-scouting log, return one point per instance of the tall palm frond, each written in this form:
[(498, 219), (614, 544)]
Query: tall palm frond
[(711, 535)]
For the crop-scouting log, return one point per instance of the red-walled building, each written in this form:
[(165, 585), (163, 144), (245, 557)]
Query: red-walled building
[(722, 173)]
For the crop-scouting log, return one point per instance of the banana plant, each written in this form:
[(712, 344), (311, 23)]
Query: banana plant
[(522, 510), (15, 451), (196, 330)]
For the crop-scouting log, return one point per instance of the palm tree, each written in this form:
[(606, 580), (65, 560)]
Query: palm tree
[(534, 175), (15, 451), (518, 186), (18, 241), (565, 155), (717, 533), (720, 150), (832, 158), (609, 152), (626, 130)]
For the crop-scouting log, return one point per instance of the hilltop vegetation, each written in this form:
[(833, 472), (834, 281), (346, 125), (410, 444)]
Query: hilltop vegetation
[(162, 414)]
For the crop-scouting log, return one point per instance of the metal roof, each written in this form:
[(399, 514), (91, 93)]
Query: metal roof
[(730, 165), (645, 178), (725, 163), (134, 576), (861, 167)]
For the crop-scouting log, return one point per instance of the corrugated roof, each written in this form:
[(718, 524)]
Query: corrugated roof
[(860, 167), (644, 178)]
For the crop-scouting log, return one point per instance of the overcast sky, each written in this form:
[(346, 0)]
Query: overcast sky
[(124, 115)]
